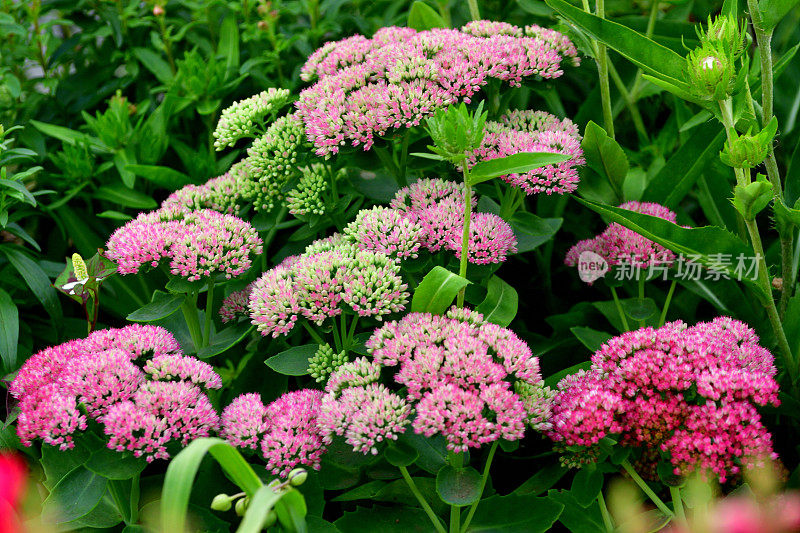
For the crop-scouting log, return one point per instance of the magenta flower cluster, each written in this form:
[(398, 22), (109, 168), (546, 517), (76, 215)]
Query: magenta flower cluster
[(457, 371), (618, 244), (285, 431), (133, 381), (688, 392), (198, 244), (319, 284), (534, 131), (366, 87), (436, 206)]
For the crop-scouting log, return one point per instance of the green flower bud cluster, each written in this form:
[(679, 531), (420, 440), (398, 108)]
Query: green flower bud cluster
[(307, 197), (456, 132), (272, 161), (247, 117), (749, 150), (325, 362)]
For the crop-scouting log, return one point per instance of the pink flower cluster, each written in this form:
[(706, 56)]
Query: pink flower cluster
[(618, 244), (198, 244), (234, 306), (286, 431), (534, 131), (690, 392), (367, 87), (457, 371), (222, 194), (319, 284), (437, 207), (133, 381)]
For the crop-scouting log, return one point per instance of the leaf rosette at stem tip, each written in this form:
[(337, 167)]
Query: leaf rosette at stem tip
[(456, 131)]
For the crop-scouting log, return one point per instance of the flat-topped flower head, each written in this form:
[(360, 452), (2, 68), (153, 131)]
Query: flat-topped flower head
[(534, 131), (244, 421), (222, 194), (133, 381), (364, 416), (332, 275), (370, 87), (247, 117), (491, 240), (197, 244), (293, 437), (618, 244), (557, 41), (385, 230), (689, 393), (426, 193), (456, 372)]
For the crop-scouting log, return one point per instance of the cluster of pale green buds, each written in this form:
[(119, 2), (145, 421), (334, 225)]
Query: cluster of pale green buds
[(712, 66), (224, 502)]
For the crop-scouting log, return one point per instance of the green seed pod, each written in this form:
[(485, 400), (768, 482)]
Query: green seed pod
[(221, 502)]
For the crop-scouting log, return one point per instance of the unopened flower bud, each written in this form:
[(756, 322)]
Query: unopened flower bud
[(241, 506), (263, 25), (158, 11), (297, 477), (711, 72), (221, 502), (725, 33), (749, 150), (777, 284)]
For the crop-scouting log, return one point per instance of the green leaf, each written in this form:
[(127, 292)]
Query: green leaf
[(533, 231), (119, 194), (180, 478), (458, 486), (24, 194), (500, 305), (225, 339), (604, 155), (697, 243), (162, 305), (154, 64), (74, 496), (432, 451), (114, 215), (165, 177), (399, 454), (591, 338), (645, 53), (37, 280), (586, 485), (639, 308), (114, 465), (228, 46), (514, 513), (575, 517), (9, 331), (294, 361), (258, 509), (71, 136), (58, 463), (513, 164), (542, 480), (791, 323), (436, 291), (773, 11), (422, 17), (367, 491), (678, 175), (395, 519)]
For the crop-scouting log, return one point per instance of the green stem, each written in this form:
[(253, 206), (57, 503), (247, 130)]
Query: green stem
[(726, 108), (344, 330), (122, 505), (602, 68), (646, 489), (209, 312), (421, 499), (630, 103), (336, 340), (607, 521), (189, 309), (455, 519), (619, 309), (352, 332), (135, 499), (641, 293), (270, 236), (474, 12), (677, 504), (383, 154), (314, 334), (462, 268), (484, 477), (651, 26), (404, 154), (671, 291)]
